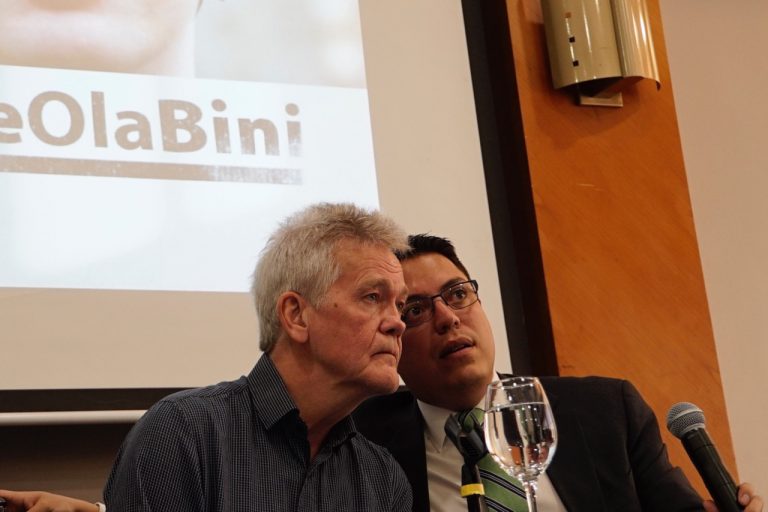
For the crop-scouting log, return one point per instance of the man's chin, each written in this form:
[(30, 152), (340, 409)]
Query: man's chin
[(469, 375), (454, 390), (384, 385)]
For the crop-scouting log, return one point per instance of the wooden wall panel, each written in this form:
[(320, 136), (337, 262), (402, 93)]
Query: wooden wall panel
[(618, 246)]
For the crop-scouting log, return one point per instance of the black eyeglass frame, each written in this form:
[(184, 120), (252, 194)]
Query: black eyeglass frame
[(442, 294)]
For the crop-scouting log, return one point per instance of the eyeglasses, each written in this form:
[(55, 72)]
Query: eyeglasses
[(457, 296)]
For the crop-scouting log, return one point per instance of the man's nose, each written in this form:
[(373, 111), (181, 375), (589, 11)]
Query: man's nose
[(445, 316), (393, 323)]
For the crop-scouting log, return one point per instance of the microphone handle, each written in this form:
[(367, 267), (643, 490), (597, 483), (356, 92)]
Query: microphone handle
[(718, 481), (476, 503), (471, 475)]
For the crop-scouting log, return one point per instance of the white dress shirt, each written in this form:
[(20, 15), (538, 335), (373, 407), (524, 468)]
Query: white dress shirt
[(444, 468)]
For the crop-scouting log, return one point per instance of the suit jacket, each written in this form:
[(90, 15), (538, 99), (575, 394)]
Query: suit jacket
[(609, 456)]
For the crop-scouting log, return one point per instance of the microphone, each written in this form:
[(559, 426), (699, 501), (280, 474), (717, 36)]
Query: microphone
[(686, 422), (469, 435), (472, 448), (469, 443)]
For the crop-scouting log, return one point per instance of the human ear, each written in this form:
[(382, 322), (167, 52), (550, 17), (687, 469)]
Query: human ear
[(291, 310)]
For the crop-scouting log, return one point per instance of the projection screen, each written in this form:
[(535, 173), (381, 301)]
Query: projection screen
[(147, 149)]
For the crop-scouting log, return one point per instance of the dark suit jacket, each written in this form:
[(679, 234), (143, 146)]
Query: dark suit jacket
[(609, 456)]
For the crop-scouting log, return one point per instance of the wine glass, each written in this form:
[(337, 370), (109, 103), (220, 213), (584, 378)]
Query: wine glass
[(520, 430)]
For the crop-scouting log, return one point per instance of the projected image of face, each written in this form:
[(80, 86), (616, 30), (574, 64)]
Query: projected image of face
[(136, 36)]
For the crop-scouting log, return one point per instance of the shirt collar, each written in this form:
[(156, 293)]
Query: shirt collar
[(273, 403), (434, 423), (269, 394)]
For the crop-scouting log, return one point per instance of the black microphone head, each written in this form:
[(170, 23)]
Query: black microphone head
[(684, 417), (467, 420), (469, 442)]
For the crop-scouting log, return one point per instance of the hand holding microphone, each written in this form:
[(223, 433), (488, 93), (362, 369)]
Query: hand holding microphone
[(686, 422)]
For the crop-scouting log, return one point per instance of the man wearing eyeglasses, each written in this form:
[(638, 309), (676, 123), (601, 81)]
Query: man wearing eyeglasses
[(610, 456)]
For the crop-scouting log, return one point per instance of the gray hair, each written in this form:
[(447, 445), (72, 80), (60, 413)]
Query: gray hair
[(299, 256)]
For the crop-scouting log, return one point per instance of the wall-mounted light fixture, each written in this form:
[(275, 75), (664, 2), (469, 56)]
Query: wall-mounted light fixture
[(601, 46)]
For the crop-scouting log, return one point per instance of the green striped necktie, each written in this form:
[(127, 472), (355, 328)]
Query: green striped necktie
[(503, 492)]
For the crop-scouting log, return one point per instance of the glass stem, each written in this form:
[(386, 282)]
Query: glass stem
[(530, 494)]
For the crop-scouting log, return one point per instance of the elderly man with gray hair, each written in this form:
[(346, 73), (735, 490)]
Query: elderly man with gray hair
[(329, 293)]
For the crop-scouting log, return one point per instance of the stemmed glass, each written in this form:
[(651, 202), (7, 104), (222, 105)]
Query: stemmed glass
[(520, 431)]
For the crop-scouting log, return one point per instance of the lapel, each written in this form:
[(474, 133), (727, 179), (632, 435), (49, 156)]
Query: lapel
[(572, 471), (405, 440)]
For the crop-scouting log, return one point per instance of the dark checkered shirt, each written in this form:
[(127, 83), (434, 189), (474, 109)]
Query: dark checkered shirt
[(240, 446)]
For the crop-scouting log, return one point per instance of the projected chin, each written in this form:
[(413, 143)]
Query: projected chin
[(140, 36)]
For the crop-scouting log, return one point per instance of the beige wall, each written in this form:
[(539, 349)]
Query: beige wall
[(719, 68)]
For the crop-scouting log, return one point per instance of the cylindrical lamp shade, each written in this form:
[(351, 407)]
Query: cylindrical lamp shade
[(635, 42), (598, 39)]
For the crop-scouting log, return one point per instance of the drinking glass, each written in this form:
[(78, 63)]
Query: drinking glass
[(520, 430)]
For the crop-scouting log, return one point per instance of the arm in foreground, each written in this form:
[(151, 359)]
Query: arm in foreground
[(37, 501)]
